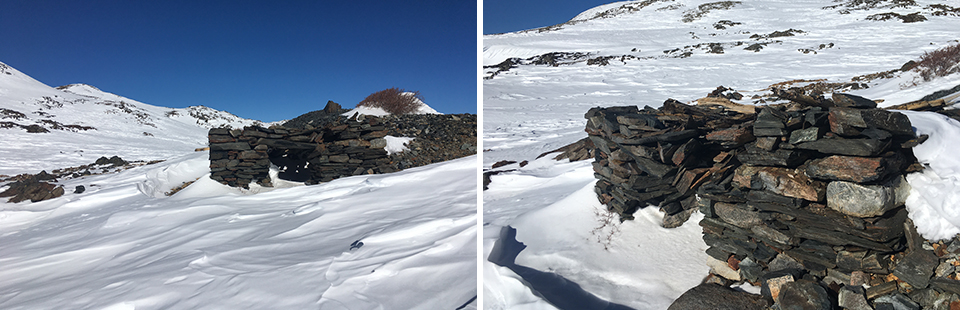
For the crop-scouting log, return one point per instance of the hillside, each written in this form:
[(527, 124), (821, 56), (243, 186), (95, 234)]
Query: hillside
[(539, 83), (47, 128)]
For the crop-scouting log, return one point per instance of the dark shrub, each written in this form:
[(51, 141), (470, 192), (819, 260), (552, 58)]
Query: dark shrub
[(393, 100), (941, 62)]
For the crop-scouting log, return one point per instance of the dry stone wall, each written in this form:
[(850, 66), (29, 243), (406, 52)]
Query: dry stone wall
[(799, 192), (341, 147)]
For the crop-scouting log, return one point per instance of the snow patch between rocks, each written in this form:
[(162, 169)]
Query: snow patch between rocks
[(934, 201), (396, 144)]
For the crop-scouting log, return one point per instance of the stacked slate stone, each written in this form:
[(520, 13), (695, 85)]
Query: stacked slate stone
[(351, 147), (439, 137), (822, 187), (341, 147), (235, 157), (662, 156)]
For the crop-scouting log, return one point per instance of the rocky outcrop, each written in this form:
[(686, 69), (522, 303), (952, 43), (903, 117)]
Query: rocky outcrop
[(33, 188), (340, 147), (43, 185)]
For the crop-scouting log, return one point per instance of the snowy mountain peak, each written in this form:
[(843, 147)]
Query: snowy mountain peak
[(48, 128)]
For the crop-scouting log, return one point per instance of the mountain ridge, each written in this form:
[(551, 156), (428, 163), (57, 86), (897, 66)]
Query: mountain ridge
[(53, 127)]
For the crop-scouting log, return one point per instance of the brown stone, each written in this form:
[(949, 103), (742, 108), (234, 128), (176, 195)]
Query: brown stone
[(732, 137), (849, 168), (685, 152), (781, 181)]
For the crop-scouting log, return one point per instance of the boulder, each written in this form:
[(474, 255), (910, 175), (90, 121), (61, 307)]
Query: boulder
[(709, 296), (860, 200), (332, 107), (781, 181), (803, 295)]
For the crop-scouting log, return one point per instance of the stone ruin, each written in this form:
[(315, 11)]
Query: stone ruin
[(811, 192), (337, 147)]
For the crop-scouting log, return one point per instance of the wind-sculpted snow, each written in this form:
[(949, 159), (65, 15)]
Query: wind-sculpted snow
[(123, 245)]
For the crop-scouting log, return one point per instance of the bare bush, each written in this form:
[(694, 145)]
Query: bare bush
[(941, 62), (394, 101), (608, 226)]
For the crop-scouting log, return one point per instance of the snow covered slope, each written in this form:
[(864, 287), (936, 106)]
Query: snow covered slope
[(335, 245), (84, 123), (642, 53)]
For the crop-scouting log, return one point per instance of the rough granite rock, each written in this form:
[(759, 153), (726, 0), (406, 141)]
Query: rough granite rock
[(859, 200)]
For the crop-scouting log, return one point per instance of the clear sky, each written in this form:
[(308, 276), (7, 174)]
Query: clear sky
[(266, 60), (500, 16)]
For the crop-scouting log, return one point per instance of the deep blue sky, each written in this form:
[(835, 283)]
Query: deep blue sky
[(500, 16), (265, 60)]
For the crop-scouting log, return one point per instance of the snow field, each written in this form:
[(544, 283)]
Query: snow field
[(125, 245)]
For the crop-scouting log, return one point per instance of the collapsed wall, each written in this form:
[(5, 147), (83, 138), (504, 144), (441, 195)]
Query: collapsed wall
[(339, 147), (793, 190)]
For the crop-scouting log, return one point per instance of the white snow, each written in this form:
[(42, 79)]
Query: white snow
[(396, 144), (365, 110), (934, 201), (123, 243), (532, 109)]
